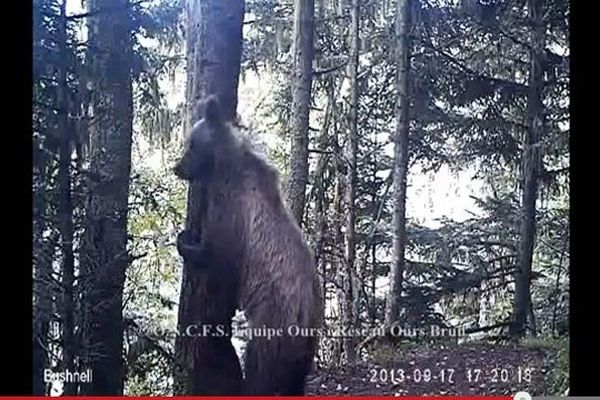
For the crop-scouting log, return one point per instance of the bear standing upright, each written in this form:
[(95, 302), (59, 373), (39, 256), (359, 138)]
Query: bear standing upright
[(249, 233)]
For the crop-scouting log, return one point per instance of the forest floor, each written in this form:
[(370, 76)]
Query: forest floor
[(442, 369)]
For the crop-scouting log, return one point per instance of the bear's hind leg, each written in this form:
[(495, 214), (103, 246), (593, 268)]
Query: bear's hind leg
[(275, 367), (258, 379)]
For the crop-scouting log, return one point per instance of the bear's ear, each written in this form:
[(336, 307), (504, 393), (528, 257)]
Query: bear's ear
[(197, 111), (212, 110)]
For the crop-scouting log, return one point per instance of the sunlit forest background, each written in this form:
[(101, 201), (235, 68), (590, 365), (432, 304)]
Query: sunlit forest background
[(486, 166)]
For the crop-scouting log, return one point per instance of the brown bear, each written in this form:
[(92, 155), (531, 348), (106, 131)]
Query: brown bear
[(251, 235)]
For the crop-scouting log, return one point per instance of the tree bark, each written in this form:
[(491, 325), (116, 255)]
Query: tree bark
[(303, 52), (108, 190), (350, 313), (403, 27), (372, 245), (556, 295), (42, 266), (65, 207), (209, 365), (337, 222), (320, 198), (530, 167)]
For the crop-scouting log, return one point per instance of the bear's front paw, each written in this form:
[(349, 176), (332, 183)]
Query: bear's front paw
[(185, 242)]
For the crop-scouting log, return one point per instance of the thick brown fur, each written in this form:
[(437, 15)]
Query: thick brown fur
[(249, 231)]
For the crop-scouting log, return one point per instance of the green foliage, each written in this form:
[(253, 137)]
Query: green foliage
[(157, 201), (385, 354), (158, 60), (156, 211), (559, 384)]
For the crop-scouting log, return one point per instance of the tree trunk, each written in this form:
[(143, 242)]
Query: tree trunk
[(383, 12), (108, 188), (403, 27), (342, 5), (320, 200), (65, 207), (337, 221), (350, 314), (372, 245), (530, 166), (42, 266), (556, 295), (209, 365), (373, 309), (303, 51)]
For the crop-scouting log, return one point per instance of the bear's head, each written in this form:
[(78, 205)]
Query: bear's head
[(208, 135)]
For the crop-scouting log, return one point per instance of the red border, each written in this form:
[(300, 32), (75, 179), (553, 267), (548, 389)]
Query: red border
[(271, 397)]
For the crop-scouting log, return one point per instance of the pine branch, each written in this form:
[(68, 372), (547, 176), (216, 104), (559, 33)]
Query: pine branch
[(318, 72)]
